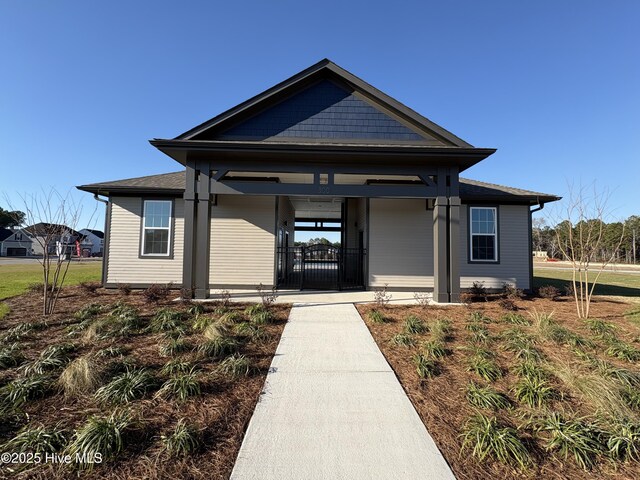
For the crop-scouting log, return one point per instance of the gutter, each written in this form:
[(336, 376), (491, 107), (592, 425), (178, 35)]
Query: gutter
[(531, 212), (105, 244)]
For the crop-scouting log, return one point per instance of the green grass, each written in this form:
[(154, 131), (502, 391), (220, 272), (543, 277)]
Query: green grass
[(15, 279), (609, 283)]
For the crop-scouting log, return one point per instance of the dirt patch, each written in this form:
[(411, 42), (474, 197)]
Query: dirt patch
[(441, 400), (220, 413)]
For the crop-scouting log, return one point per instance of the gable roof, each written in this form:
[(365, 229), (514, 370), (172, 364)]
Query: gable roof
[(5, 233), (331, 79), (97, 233), (174, 184), (43, 229)]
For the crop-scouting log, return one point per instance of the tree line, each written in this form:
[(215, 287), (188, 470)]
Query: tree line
[(620, 240)]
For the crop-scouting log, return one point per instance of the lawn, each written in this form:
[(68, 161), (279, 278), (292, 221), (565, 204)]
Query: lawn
[(16, 279), (532, 393), (610, 283), (160, 389)]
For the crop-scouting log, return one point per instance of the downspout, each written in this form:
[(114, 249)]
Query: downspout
[(531, 212), (105, 250)]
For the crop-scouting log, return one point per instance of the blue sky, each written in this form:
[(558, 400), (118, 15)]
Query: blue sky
[(552, 85)]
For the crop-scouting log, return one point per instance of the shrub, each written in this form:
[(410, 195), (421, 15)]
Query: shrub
[(508, 304), (414, 325), (11, 356), (79, 377), (441, 329), (624, 440), (569, 291), (434, 349), (484, 367), (479, 291), (174, 346), (548, 291), (267, 296), (573, 437), (486, 397), (100, 436), (166, 320), (18, 392), (403, 340), (184, 439), (426, 367), (224, 298), (236, 366), (533, 391), (51, 358), (515, 319), (90, 288), (126, 387), (376, 317), (422, 299), (37, 439), (125, 289), (156, 293), (181, 386), (187, 294), (510, 291), (89, 311), (381, 296), (218, 347), (466, 298), (488, 439)]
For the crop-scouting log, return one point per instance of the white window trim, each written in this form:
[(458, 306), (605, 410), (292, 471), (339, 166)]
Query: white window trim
[(494, 234), (145, 228)]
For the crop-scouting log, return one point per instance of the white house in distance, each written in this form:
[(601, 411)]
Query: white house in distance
[(320, 151), (15, 243), (96, 239)]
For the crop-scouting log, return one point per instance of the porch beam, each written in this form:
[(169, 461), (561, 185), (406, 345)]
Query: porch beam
[(417, 169)]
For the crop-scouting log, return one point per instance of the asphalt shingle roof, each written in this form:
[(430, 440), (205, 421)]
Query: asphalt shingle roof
[(175, 183)]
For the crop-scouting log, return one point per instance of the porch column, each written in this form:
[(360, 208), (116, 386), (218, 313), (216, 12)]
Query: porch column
[(203, 227), (440, 253), (454, 249), (189, 227)]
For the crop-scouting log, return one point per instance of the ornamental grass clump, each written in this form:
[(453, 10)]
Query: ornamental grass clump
[(484, 367), (403, 340), (218, 347), (486, 438), (175, 346), (11, 356), (441, 329), (252, 332), (79, 377), (236, 366), (376, 316), (166, 320), (183, 439), (623, 440), (181, 386), (126, 387), (15, 394), (177, 366), (426, 367), (37, 439), (434, 349), (534, 392), (486, 397), (51, 358), (414, 325)]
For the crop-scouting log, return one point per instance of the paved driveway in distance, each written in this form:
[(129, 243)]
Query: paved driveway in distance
[(332, 408)]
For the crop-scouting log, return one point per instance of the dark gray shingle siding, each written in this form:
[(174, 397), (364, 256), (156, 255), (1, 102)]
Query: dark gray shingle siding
[(324, 110)]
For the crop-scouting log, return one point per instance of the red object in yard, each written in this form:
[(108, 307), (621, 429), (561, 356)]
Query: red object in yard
[(78, 251), (552, 260)]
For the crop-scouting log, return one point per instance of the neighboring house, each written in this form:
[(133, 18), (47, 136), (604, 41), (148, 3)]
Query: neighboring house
[(96, 239), (15, 243), (49, 235), (320, 151)]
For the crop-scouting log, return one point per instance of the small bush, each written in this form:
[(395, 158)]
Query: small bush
[(376, 317), (181, 386), (403, 340), (224, 298), (515, 319), (18, 392), (100, 436), (157, 293), (414, 325), (488, 439), (510, 291), (534, 392), (381, 296), (484, 367), (90, 288), (486, 397), (422, 299), (575, 438), (268, 296), (549, 291), (434, 349), (125, 289), (236, 366), (184, 439), (187, 294), (37, 439), (508, 304), (466, 298), (79, 377), (126, 387), (426, 367), (479, 291), (569, 291), (11, 356)]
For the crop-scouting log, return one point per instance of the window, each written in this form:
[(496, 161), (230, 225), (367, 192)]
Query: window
[(484, 237), (156, 228)]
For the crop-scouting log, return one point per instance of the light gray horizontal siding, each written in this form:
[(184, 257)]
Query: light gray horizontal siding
[(124, 264), (513, 244), (242, 240), (400, 243)]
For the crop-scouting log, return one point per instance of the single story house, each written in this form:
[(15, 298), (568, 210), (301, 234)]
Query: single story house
[(15, 243), (94, 241), (320, 151)]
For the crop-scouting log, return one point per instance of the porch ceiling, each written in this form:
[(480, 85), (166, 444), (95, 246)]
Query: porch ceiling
[(312, 207)]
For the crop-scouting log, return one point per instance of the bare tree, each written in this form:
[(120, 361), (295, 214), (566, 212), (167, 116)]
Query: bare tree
[(52, 220), (581, 236)]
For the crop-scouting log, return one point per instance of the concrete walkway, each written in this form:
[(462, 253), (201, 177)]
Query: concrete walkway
[(332, 408)]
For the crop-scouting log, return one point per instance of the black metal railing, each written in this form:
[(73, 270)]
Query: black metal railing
[(321, 267)]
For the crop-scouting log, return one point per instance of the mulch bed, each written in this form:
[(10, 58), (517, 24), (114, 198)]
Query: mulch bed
[(221, 413), (441, 402)]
